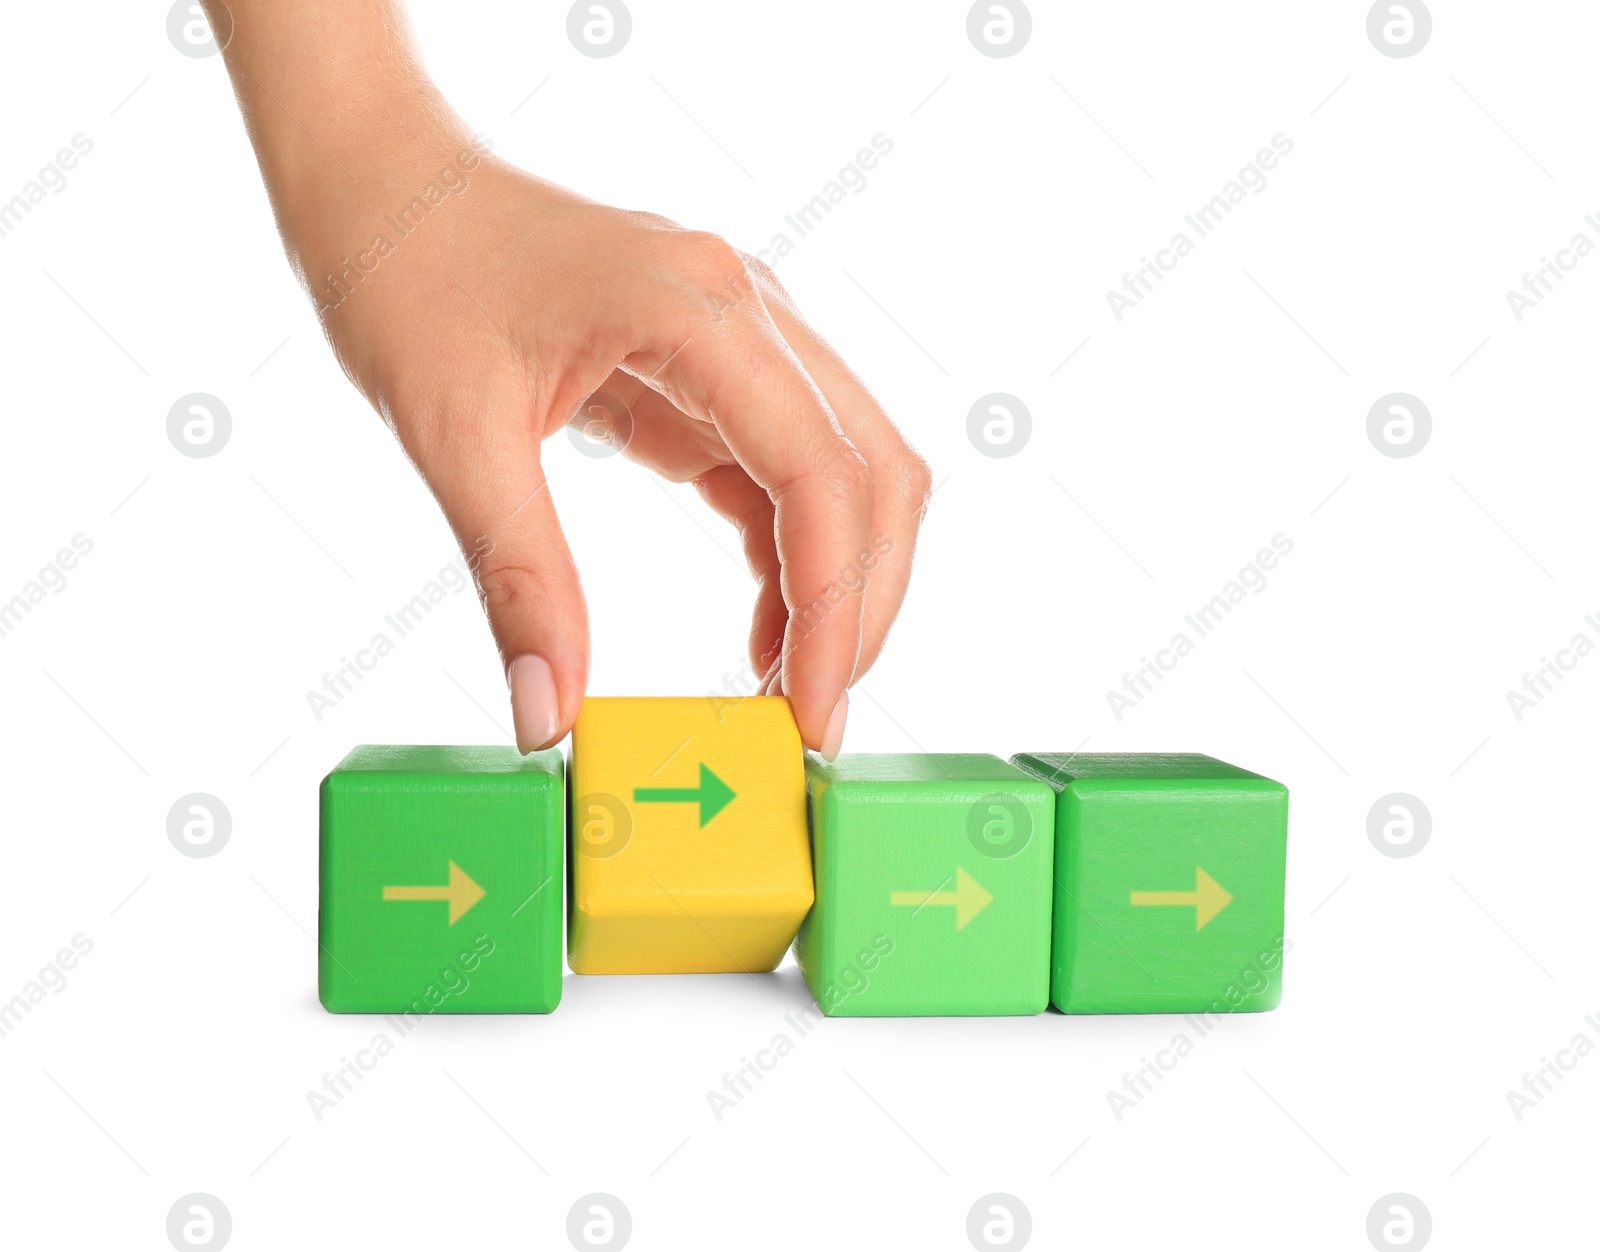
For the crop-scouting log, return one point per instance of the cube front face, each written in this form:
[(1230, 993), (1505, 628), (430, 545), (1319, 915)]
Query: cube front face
[(1169, 884), (441, 881), (933, 886), (689, 848)]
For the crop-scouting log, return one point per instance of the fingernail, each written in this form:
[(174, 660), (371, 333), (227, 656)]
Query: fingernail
[(833, 737), (535, 704)]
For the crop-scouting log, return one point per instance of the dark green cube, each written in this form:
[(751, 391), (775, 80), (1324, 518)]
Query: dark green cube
[(1169, 878), (441, 881)]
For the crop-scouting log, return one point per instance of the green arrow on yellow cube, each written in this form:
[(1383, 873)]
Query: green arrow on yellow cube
[(712, 795)]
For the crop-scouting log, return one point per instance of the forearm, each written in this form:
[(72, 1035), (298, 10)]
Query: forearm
[(337, 105), (479, 322)]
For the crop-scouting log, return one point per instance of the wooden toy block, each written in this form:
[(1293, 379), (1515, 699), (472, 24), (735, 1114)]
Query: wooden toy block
[(441, 881), (1169, 883), (933, 886), (689, 850)]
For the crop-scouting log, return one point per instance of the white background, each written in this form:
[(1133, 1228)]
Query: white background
[(1222, 411)]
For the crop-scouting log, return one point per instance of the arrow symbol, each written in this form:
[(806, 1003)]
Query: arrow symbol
[(968, 899), (1208, 897), (712, 795), (461, 893)]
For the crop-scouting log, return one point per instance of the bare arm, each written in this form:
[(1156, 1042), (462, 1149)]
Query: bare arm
[(480, 309)]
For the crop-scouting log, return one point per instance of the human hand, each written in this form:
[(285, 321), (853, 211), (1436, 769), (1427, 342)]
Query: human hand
[(481, 309)]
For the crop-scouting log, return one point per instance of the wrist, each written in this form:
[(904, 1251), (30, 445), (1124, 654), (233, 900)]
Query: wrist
[(387, 162), (338, 121), (331, 149)]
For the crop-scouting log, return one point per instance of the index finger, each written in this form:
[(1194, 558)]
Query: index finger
[(741, 375)]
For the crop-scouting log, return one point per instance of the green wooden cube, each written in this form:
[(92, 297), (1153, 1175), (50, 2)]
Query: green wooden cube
[(442, 883), (1169, 874), (932, 886)]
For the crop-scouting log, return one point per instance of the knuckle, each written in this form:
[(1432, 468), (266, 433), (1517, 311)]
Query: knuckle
[(503, 585), (912, 483), (847, 474), (759, 268), (648, 221), (708, 259), (764, 274), (836, 480), (708, 272)]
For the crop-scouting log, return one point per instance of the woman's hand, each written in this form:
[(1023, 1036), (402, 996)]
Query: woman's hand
[(481, 309)]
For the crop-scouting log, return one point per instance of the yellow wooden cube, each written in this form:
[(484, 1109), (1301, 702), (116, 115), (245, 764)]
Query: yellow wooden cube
[(689, 845)]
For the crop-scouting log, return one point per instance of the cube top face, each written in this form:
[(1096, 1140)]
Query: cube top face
[(689, 840), (933, 886), (441, 881), (1142, 767), (1170, 882), (394, 758), (911, 768)]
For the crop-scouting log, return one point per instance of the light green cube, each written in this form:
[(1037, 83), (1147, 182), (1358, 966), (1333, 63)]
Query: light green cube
[(932, 886)]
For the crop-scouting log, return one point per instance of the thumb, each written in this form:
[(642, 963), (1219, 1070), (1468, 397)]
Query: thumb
[(500, 509)]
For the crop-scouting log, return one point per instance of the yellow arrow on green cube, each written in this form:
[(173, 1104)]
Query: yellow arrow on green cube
[(1207, 899), (461, 893), (968, 899)]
